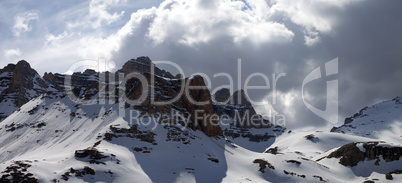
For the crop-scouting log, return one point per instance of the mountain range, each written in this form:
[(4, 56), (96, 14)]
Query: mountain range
[(79, 128)]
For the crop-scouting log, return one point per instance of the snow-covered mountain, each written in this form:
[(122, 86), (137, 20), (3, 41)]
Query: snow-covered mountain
[(19, 83), (49, 137), (382, 121)]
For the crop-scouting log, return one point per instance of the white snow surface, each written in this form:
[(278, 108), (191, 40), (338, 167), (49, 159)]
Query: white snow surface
[(382, 121), (67, 127)]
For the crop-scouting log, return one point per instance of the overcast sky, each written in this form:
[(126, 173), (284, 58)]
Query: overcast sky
[(209, 36)]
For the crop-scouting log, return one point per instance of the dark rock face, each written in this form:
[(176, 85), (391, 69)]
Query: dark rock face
[(240, 109), (359, 114), (132, 132), (208, 125), (77, 80), (21, 80), (263, 164), (18, 84), (91, 153), (239, 98), (388, 176), (18, 172), (351, 155), (195, 105), (77, 172), (143, 65), (350, 119), (236, 133), (222, 95), (312, 138)]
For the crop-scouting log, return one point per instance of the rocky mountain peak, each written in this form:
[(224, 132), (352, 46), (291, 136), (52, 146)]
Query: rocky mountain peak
[(23, 64), (239, 108), (8, 68), (239, 98), (48, 76), (222, 95), (24, 76), (186, 105), (19, 83), (89, 72), (143, 64)]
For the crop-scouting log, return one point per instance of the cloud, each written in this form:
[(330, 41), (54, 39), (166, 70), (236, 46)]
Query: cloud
[(314, 16), (253, 23), (98, 12), (311, 37), (270, 37), (189, 23), (53, 40), (12, 53), (209, 37), (21, 23)]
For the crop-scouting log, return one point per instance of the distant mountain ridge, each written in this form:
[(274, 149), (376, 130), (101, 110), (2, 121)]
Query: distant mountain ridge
[(20, 83), (382, 121)]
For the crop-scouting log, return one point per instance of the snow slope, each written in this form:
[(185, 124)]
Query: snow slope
[(382, 121), (47, 132)]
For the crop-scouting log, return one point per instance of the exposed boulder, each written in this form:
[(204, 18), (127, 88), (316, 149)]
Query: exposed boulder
[(263, 164), (18, 172), (351, 155)]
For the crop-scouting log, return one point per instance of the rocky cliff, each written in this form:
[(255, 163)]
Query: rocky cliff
[(19, 83), (184, 110), (353, 153), (238, 107)]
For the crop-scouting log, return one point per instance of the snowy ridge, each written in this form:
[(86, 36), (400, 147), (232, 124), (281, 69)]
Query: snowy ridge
[(382, 121), (51, 138), (62, 141)]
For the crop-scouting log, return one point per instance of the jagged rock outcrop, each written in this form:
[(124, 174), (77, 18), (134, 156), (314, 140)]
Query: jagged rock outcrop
[(377, 121), (222, 95), (143, 65), (23, 83), (77, 79), (240, 102), (352, 118), (350, 154), (185, 110), (84, 86), (19, 83), (239, 108)]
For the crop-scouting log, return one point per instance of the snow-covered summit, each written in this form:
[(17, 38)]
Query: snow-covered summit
[(382, 121), (49, 137)]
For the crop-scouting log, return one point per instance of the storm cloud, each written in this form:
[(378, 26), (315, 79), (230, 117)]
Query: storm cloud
[(270, 37)]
